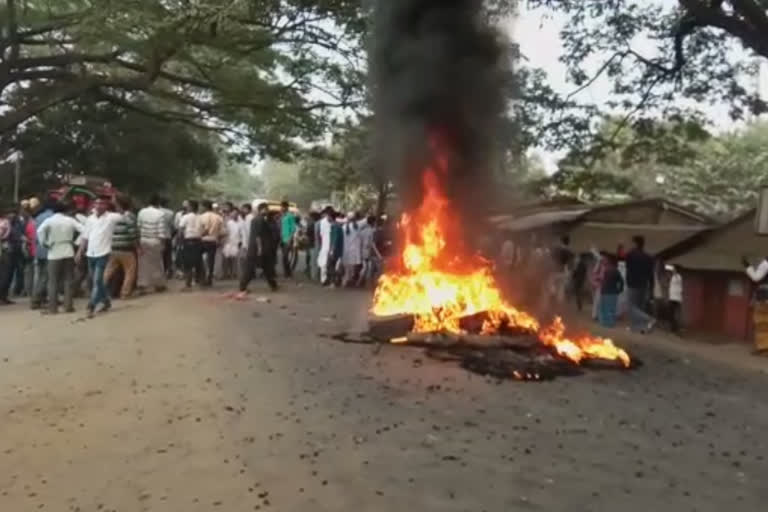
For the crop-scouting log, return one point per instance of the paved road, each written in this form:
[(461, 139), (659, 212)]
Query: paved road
[(187, 402)]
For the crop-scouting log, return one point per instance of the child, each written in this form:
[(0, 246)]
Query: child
[(611, 288)]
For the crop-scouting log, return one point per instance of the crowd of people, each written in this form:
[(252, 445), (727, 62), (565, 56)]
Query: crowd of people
[(629, 284), (57, 250)]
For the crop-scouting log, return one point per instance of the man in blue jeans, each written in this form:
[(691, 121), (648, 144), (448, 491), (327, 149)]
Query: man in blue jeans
[(640, 279), (96, 245)]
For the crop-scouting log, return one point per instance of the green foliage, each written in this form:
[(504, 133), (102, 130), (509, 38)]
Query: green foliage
[(233, 182), (265, 70), (137, 154), (725, 176), (720, 176), (655, 53)]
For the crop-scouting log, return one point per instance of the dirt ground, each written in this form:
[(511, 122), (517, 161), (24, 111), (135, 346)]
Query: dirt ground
[(188, 402)]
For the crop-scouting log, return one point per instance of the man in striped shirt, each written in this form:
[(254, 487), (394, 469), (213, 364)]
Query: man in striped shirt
[(125, 241), (153, 235)]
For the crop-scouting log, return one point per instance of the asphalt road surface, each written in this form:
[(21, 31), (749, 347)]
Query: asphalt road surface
[(189, 402)]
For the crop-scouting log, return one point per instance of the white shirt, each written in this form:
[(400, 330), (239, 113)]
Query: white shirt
[(759, 273), (57, 234), (82, 219), (190, 224), (98, 233), (169, 220), (152, 224), (676, 288)]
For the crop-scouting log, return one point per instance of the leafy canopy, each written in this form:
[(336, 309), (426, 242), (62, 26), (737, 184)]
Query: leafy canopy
[(268, 70)]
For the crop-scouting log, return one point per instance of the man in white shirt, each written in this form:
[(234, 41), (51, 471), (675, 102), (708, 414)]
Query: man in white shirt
[(97, 245), (189, 226), (153, 235), (675, 298), (57, 234), (245, 231)]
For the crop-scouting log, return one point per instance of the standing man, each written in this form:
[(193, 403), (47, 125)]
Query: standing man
[(371, 255), (125, 244), (261, 251), (81, 265), (324, 228), (189, 227), (287, 232), (168, 217), (312, 245), (245, 229), (57, 234), (640, 281), (96, 246), (563, 262), (212, 231), (352, 257), (154, 236), (41, 257), (6, 255)]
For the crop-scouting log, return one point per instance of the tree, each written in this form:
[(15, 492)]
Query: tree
[(139, 155), (725, 177), (233, 182), (346, 168), (265, 69), (656, 53), (631, 165)]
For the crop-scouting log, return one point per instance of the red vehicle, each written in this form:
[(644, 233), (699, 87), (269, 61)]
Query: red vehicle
[(82, 190)]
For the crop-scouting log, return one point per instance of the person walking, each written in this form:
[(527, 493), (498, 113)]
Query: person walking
[(611, 287), (261, 251), (189, 227), (640, 282), (96, 246), (287, 234), (40, 288), (57, 235), (154, 236), (125, 243), (211, 234)]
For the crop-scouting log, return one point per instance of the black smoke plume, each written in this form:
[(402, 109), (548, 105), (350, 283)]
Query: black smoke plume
[(439, 71)]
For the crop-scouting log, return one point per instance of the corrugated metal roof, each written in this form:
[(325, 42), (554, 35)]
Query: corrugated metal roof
[(723, 248), (536, 220), (607, 236)]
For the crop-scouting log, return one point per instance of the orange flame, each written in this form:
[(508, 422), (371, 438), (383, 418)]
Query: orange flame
[(439, 288)]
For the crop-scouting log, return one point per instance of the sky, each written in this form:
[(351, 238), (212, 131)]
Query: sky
[(537, 34)]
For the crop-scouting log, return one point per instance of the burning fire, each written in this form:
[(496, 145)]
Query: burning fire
[(439, 287)]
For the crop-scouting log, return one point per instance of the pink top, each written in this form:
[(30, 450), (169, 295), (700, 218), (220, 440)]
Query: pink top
[(31, 233)]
